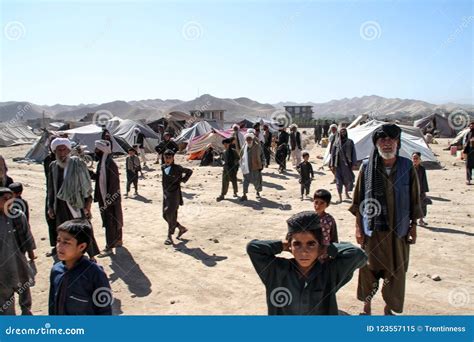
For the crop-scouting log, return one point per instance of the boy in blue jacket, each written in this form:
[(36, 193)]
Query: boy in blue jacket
[(78, 285)]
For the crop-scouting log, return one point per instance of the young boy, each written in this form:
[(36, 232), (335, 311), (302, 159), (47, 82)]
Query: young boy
[(423, 181), (15, 273), (173, 176), (321, 200), (132, 163), (230, 158), (306, 174), (303, 285), (78, 285)]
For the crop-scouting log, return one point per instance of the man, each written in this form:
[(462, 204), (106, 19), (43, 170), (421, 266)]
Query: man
[(166, 144), (51, 222), (140, 142), (295, 145), (15, 273), (386, 204), (230, 158), (69, 191), (343, 160), (332, 137), (282, 148), (251, 163), (469, 152), (267, 144), (317, 133), (107, 194), (173, 176), (238, 138)]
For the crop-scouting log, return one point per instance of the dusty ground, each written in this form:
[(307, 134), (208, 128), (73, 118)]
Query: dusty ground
[(210, 273)]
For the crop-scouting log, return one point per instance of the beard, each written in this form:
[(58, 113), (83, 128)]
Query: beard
[(386, 155), (62, 163), (249, 144)]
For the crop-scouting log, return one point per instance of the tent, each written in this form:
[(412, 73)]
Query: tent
[(437, 122), (200, 143), (459, 139), (198, 129), (125, 131), (361, 119), (15, 134), (40, 149), (410, 139), (87, 135)]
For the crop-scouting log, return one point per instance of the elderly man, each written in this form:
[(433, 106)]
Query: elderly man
[(107, 194), (69, 190), (386, 204), (295, 145), (343, 159), (252, 160), (238, 138), (469, 152)]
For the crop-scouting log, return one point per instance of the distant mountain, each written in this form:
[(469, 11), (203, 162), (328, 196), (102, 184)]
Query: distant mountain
[(238, 108)]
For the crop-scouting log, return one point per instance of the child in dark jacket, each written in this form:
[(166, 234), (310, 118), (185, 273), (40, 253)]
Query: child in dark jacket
[(306, 174), (78, 286)]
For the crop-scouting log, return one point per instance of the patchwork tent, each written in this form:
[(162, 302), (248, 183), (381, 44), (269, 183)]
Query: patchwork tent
[(198, 145), (411, 141), (198, 129), (435, 122), (15, 134), (87, 135)]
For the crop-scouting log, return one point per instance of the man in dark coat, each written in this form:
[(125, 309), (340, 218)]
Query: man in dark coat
[(343, 160), (173, 176), (107, 194), (469, 153), (282, 149), (267, 144), (166, 144)]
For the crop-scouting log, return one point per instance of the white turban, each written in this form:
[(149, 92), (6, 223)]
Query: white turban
[(333, 126), (104, 146), (235, 125), (251, 131), (293, 126), (60, 141), (249, 135)]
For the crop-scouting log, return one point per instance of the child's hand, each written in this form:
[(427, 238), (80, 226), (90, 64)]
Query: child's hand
[(286, 246)]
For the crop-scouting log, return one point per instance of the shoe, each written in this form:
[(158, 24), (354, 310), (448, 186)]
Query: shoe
[(258, 195), (235, 195), (136, 193), (302, 198), (169, 241), (243, 198), (182, 230), (220, 198), (105, 253)]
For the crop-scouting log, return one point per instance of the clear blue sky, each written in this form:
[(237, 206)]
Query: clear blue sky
[(93, 52)]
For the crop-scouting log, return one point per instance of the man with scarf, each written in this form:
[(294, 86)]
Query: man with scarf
[(173, 176), (252, 160), (282, 148), (238, 138), (469, 152), (267, 144), (295, 145), (107, 194), (386, 204), (69, 191), (343, 159)]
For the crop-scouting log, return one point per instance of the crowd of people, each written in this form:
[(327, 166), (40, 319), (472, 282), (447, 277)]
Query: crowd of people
[(320, 266)]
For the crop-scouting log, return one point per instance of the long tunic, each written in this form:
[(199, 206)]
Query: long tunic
[(111, 209), (343, 158), (288, 292)]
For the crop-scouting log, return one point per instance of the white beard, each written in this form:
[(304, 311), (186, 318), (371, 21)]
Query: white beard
[(386, 155), (62, 164)]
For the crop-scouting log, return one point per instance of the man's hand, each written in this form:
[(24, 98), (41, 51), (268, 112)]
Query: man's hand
[(411, 237), (51, 213), (88, 213), (360, 237)]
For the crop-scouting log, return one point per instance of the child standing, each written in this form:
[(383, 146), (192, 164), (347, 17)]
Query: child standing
[(78, 285), (423, 181), (321, 200), (306, 174), (303, 285), (133, 168), (230, 158)]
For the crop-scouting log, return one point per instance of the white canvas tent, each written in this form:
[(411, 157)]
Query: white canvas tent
[(87, 135), (125, 129), (15, 134), (198, 129), (40, 149), (459, 139), (411, 141)]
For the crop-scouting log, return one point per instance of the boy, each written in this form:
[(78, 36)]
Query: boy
[(15, 273), (173, 176), (132, 164), (303, 285), (230, 158), (78, 286), (305, 169), (423, 181), (321, 200)]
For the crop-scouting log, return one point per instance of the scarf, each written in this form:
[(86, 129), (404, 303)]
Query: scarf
[(244, 161), (104, 146), (76, 184)]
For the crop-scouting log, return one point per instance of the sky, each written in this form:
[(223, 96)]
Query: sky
[(73, 52)]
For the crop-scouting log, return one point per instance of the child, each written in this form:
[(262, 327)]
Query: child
[(15, 240), (306, 174), (173, 176), (321, 200), (78, 285), (132, 164), (302, 285), (423, 181), (231, 166)]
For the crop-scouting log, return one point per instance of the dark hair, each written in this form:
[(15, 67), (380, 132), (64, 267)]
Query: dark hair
[(323, 194), (80, 229), (317, 234), (417, 153), (305, 154)]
